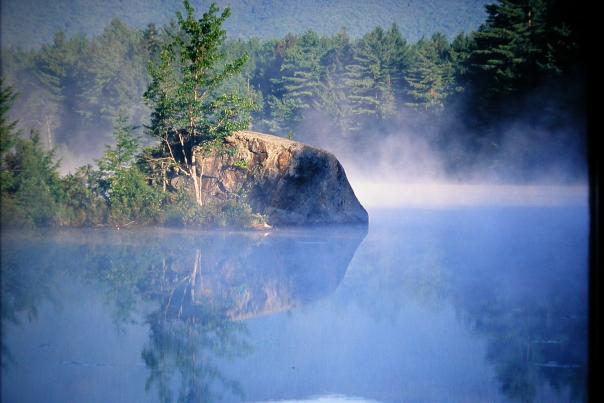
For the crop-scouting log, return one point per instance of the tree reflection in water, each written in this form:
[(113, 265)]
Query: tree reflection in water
[(526, 301), (193, 293), (192, 290), (186, 336), (533, 343), (26, 280)]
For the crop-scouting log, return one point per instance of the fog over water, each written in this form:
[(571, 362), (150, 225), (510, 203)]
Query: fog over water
[(469, 284), (466, 286), (462, 288), (481, 303), (416, 177)]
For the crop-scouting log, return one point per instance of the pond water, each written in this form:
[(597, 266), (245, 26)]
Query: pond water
[(425, 305)]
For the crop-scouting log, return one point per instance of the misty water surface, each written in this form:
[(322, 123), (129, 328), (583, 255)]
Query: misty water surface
[(456, 305)]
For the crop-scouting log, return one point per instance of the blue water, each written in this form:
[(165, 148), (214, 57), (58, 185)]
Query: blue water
[(445, 305)]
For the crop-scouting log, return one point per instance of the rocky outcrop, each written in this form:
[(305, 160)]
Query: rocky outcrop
[(289, 182)]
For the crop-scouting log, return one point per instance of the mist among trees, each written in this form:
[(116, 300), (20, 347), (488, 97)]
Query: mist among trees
[(522, 69)]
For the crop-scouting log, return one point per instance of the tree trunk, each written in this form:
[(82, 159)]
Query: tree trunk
[(197, 180), (48, 133)]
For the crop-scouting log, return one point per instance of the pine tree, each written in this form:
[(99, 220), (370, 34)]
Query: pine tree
[(299, 81), (8, 138), (509, 47), (151, 41), (333, 93), (362, 94), (188, 109), (29, 181), (52, 76), (58, 73), (397, 60), (379, 57), (8, 128), (431, 79), (115, 75), (122, 183)]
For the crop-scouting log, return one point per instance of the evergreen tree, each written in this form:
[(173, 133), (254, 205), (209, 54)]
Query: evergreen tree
[(431, 79), (8, 128), (82, 198), (509, 47), (34, 194), (522, 46), (122, 155), (334, 91), (188, 110), (151, 41), (299, 81), (8, 137), (29, 182), (397, 58), (115, 75), (122, 183), (378, 60), (58, 73), (459, 52)]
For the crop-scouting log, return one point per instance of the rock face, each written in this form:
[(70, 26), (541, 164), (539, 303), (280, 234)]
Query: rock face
[(290, 182)]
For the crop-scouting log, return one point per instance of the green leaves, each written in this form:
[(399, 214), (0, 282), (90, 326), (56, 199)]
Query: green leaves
[(518, 44), (187, 94), (8, 129), (431, 78), (350, 84), (122, 184), (126, 148), (32, 190)]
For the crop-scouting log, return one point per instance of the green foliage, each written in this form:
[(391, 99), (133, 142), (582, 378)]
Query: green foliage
[(520, 42), (82, 198), (186, 93), (432, 78), (378, 62), (32, 194), (241, 164), (115, 73), (199, 88), (122, 155), (129, 198), (300, 77), (8, 134), (350, 84), (182, 210), (118, 193), (33, 23), (77, 86)]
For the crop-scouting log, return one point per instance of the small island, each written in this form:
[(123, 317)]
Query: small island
[(202, 169)]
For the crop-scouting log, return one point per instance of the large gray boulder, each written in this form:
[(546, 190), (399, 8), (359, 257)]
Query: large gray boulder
[(289, 182)]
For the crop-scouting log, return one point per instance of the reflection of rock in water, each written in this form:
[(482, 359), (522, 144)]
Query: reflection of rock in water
[(264, 275), (242, 274), (187, 286), (204, 281)]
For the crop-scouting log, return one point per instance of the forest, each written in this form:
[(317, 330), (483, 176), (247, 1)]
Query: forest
[(265, 19), (524, 67)]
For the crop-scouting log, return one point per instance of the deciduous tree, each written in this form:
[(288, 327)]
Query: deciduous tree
[(190, 107)]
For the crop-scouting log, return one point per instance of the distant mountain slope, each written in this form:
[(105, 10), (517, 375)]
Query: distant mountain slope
[(32, 22)]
